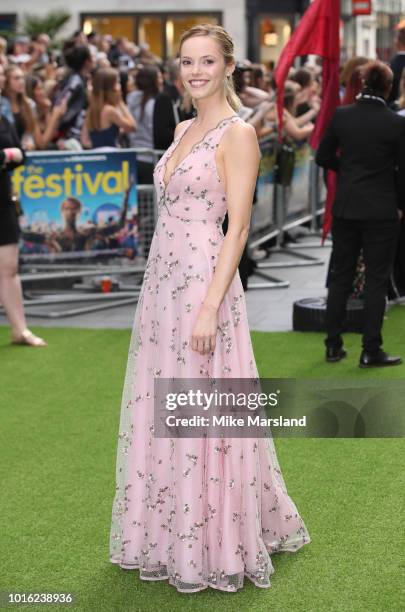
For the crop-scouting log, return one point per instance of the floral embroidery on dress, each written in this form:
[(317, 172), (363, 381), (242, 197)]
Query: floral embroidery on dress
[(198, 512)]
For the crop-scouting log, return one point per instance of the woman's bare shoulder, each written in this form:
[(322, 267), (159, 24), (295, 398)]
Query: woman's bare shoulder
[(240, 133), (108, 111), (179, 127)]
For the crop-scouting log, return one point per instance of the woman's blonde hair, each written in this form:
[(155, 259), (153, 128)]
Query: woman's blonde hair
[(225, 42), (103, 93)]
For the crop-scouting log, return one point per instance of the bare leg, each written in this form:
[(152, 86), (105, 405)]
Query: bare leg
[(10, 288), (11, 296)]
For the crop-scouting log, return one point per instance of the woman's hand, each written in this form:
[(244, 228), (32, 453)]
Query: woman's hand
[(60, 109), (204, 333)]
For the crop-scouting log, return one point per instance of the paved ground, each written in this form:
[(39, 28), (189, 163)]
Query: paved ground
[(268, 309)]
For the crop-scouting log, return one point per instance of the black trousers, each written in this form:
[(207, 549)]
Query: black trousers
[(244, 266), (378, 239)]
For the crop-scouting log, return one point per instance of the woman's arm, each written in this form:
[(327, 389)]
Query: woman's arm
[(308, 116), (260, 113), (84, 135), (121, 117), (240, 151), (294, 131), (52, 124)]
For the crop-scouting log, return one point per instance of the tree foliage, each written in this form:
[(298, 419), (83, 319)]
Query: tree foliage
[(49, 24)]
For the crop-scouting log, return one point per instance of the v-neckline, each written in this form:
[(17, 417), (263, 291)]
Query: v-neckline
[(176, 143)]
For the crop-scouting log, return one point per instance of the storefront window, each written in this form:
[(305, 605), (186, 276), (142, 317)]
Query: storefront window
[(150, 31), (385, 38), (274, 34), (175, 26), (122, 26)]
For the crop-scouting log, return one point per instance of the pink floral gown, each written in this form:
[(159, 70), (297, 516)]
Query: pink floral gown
[(200, 512)]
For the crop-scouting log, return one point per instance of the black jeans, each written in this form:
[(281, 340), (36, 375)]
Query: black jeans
[(378, 239)]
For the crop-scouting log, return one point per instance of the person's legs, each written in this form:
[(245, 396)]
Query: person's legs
[(11, 297), (10, 288), (346, 247), (379, 247)]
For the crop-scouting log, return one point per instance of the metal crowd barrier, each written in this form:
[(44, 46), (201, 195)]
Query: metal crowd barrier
[(68, 268), (288, 207), (277, 210)]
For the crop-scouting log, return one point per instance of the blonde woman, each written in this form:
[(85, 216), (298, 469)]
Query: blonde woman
[(198, 511), (107, 113)]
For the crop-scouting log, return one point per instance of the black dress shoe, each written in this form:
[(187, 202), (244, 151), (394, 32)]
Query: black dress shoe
[(379, 360), (335, 354)]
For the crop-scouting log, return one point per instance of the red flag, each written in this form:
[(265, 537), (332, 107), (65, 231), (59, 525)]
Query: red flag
[(316, 34)]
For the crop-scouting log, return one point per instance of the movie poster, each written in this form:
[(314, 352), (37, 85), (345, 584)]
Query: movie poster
[(78, 202)]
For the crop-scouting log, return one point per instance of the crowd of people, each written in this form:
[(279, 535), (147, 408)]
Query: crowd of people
[(97, 91)]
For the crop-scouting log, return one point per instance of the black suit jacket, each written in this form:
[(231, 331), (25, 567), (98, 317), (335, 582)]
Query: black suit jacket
[(164, 121), (365, 144)]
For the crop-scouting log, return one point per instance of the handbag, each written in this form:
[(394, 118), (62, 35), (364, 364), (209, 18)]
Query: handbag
[(284, 160), (284, 164)]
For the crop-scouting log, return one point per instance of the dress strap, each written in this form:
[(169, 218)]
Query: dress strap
[(183, 129), (217, 133)]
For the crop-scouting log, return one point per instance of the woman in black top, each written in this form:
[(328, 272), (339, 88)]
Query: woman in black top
[(11, 156)]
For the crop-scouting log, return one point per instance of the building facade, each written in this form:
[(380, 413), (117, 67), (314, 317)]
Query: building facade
[(260, 28)]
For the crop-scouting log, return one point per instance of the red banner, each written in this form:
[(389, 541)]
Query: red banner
[(361, 7)]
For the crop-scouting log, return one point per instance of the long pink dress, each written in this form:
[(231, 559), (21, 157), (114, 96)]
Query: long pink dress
[(200, 512)]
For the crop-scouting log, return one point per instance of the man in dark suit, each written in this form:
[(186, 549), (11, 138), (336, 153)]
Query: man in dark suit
[(365, 145)]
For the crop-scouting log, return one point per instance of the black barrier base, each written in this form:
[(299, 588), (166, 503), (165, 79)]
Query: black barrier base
[(298, 259), (271, 282), (309, 314), (34, 305)]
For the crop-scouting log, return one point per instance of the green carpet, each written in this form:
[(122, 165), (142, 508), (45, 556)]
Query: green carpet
[(59, 415)]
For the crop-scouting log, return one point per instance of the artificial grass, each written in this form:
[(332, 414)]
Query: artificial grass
[(59, 413)]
